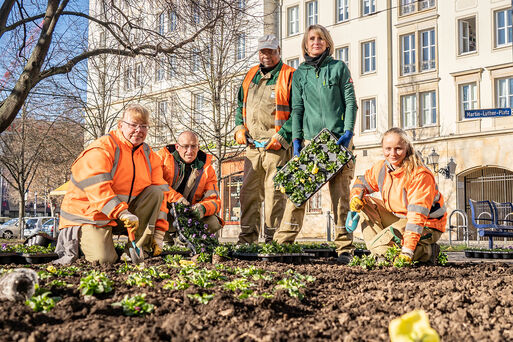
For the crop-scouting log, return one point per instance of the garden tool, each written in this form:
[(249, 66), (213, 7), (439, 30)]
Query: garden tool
[(131, 226), (352, 221), (255, 142)]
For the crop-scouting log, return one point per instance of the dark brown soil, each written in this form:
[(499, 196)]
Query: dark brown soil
[(465, 302)]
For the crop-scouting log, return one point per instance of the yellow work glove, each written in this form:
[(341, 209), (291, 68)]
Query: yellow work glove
[(131, 223), (158, 242), (406, 255), (240, 136), (356, 204), (273, 145), (413, 326), (199, 209)]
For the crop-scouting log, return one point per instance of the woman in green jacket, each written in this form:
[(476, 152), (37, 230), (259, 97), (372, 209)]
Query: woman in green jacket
[(322, 97)]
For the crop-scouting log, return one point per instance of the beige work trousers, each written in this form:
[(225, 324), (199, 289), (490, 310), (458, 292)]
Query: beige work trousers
[(97, 243), (379, 227), (292, 221), (260, 167)]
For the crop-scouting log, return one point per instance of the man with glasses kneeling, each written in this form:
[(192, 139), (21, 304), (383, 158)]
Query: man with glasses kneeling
[(193, 181), (116, 188)]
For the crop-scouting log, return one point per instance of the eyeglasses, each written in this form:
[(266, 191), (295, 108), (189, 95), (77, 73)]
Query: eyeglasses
[(187, 147), (136, 126)]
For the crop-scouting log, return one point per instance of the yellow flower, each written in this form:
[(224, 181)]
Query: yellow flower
[(315, 169), (51, 269), (282, 189), (296, 158), (187, 263), (412, 327)]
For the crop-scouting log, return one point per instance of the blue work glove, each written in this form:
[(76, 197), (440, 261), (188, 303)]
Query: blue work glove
[(297, 146), (345, 139)]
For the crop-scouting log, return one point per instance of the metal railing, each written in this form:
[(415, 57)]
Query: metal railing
[(464, 226)]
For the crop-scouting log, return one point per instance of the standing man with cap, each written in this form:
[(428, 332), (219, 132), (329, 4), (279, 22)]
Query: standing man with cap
[(262, 122)]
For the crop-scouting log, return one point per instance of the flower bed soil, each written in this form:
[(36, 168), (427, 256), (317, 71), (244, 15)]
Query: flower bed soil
[(464, 302)]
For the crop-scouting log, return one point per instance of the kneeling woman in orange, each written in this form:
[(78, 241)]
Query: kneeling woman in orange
[(411, 209)]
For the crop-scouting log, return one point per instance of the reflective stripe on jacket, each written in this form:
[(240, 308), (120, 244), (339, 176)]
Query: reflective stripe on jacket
[(283, 86), (416, 199), (204, 189), (105, 177)]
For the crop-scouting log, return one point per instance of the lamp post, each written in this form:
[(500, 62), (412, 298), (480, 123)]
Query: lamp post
[(448, 171)]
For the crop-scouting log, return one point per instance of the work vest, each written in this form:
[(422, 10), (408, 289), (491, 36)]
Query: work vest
[(107, 176), (416, 198), (282, 90), (204, 190)]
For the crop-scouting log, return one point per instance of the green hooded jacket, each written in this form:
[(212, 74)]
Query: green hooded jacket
[(322, 99)]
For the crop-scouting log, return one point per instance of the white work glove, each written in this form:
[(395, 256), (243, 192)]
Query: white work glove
[(129, 219), (158, 242), (183, 201), (199, 209)]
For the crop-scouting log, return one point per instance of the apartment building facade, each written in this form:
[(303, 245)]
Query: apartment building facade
[(418, 65)]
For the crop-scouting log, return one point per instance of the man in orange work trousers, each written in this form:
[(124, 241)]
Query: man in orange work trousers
[(117, 188), (262, 123)]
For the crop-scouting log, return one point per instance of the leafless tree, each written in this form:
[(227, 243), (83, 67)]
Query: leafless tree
[(51, 34), (217, 62)]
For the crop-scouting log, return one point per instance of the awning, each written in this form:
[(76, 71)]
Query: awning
[(60, 190)]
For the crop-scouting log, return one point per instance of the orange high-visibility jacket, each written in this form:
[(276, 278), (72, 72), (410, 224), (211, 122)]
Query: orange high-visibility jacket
[(418, 199), (283, 86), (204, 190), (105, 177)]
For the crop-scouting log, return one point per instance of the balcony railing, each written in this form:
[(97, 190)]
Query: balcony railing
[(428, 65), (425, 4), (408, 68)]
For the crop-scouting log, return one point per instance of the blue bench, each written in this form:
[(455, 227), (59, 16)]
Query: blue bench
[(492, 219)]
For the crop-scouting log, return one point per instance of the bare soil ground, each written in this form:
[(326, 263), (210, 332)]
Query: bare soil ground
[(464, 302)]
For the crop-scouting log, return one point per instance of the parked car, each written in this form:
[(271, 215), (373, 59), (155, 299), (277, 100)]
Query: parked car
[(10, 229), (51, 226)]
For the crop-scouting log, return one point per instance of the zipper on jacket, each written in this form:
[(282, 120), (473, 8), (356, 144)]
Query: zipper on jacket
[(133, 177)]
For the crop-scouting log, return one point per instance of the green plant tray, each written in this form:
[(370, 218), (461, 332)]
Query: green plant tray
[(278, 257), (39, 258), (469, 253), (9, 258), (286, 178)]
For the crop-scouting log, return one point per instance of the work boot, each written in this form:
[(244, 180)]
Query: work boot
[(435, 251), (344, 258)]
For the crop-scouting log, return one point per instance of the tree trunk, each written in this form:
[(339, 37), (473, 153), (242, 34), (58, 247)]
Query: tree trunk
[(21, 215)]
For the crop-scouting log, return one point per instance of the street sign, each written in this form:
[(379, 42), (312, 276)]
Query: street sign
[(487, 113)]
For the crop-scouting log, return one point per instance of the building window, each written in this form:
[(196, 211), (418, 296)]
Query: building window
[(102, 39), (241, 46), (408, 54), (342, 54), (173, 21), (368, 7), (160, 120), (171, 66), (409, 110), (162, 24), (503, 28), (425, 4), (293, 20), (311, 13), (195, 59), (195, 13), (231, 198), (241, 4), (504, 92), (160, 70), (427, 50), (428, 108), (369, 115), (468, 97), (407, 6), (467, 35), (199, 108), (314, 204), (128, 77), (139, 75), (369, 57), (342, 10), (294, 62)]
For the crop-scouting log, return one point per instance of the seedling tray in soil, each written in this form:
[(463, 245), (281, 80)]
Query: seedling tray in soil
[(278, 257), (38, 258), (361, 252), (321, 252), (184, 253), (9, 258), (469, 253), (316, 165)]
